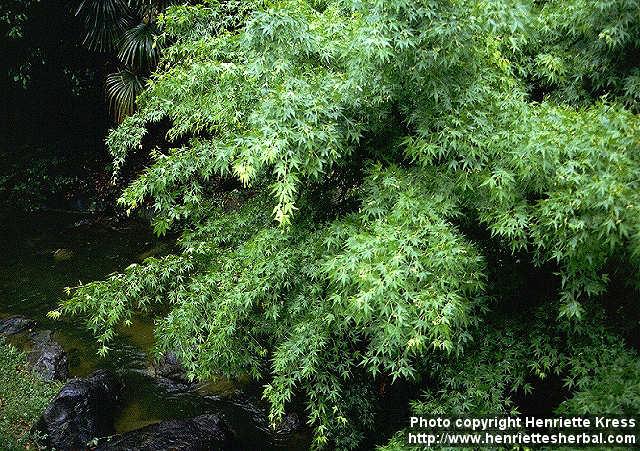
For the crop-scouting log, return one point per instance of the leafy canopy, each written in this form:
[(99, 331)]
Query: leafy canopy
[(384, 153)]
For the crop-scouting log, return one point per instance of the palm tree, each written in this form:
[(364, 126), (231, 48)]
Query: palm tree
[(104, 22), (126, 28)]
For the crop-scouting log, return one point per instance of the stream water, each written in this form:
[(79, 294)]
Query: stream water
[(41, 254)]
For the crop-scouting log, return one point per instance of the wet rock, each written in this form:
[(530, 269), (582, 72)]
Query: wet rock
[(83, 410), (15, 325), (290, 424), (47, 358), (204, 432), (173, 386), (169, 367), (170, 374)]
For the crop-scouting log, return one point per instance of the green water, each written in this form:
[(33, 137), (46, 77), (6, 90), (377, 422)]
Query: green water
[(41, 254)]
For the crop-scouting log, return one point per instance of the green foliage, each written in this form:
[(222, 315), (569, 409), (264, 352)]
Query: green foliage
[(508, 361), (391, 283), (589, 48), (558, 182), (23, 397), (608, 388), (385, 138)]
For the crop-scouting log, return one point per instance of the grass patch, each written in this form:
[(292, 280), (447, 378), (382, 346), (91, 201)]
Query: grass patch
[(23, 397)]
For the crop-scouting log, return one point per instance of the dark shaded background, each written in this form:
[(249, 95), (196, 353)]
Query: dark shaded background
[(54, 117)]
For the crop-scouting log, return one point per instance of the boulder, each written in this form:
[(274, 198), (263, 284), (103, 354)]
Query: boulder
[(169, 367), (15, 325), (47, 358), (170, 375), (204, 432), (83, 410), (290, 424)]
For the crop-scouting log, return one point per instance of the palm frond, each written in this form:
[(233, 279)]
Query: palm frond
[(122, 88), (104, 22), (138, 48)]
